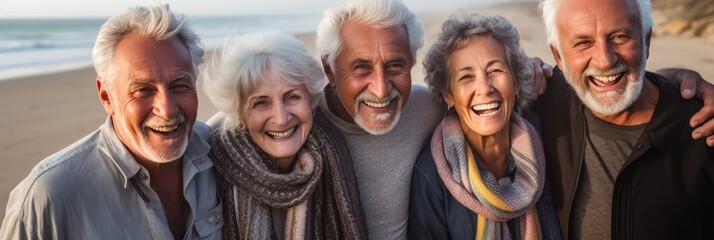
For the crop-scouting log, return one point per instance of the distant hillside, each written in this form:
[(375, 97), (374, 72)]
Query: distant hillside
[(688, 18)]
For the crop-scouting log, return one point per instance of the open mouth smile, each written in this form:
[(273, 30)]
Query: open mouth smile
[(283, 134), (604, 81), (486, 109), (164, 130), (381, 104)]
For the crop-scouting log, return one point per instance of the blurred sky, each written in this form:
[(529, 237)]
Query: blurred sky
[(104, 8)]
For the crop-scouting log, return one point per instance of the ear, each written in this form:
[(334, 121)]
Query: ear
[(104, 98), (556, 55), (647, 42), (328, 71), (448, 98)]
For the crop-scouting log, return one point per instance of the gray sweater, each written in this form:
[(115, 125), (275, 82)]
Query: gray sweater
[(384, 163)]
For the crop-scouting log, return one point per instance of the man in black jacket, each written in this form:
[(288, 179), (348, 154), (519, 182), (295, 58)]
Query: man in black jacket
[(620, 159)]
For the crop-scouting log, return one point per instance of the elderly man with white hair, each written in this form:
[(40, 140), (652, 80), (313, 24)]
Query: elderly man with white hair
[(619, 155), (145, 173)]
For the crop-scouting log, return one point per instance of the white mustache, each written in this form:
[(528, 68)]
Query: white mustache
[(593, 71), (369, 97), (158, 122)]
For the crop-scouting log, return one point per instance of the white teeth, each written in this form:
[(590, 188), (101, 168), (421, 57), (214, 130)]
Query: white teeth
[(285, 134), (487, 106), (164, 128), (607, 79), (377, 104)]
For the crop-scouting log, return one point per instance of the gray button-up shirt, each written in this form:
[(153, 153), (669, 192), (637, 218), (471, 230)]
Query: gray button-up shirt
[(94, 189)]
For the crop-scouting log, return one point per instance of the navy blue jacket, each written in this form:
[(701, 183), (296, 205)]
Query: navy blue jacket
[(435, 214)]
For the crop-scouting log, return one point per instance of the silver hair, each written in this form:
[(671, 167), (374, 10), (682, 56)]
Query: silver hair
[(456, 33), (376, 13), (240, 64), (549, 10), (156, 23)]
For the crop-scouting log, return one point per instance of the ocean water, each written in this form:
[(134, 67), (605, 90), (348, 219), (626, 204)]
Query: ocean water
[(33, 47)]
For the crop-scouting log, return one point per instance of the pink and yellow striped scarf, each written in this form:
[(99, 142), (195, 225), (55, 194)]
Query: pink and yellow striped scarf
[(479, 191)]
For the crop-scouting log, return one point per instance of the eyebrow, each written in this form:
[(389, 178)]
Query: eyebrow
[(488, 64), (265, 96), (182, 76), (359, 61), (134, 83), (467, 68)]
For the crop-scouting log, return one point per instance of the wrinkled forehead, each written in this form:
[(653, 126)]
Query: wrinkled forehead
[(365, 31), (569, 10), (574, 12), (156, 60)]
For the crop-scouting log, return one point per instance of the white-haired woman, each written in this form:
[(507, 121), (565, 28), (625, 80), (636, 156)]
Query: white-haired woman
[(483, 172), (284, 172)]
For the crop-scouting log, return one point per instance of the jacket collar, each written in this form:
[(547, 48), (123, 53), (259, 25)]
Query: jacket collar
[(668, 115)]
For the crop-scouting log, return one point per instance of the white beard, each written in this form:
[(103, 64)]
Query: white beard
[(609, 103)]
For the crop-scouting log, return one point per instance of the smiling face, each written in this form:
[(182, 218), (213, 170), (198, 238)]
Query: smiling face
[(372, 76), (278, 118), (601, 52), (481, 87), (152, 99)]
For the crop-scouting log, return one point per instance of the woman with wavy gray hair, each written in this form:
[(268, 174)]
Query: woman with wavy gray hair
[(283, 170), (484, 171)]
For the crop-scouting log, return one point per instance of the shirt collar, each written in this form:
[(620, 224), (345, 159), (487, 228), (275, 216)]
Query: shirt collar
[(195, 159)]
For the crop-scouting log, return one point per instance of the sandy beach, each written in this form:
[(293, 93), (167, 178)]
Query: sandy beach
[(43, 114)]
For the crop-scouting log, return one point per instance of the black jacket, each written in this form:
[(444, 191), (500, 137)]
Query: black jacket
[(666, 187)]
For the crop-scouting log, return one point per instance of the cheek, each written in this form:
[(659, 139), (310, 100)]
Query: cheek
[(462, 93), (633, 55), (348, 92), (578, 62), (254, 122), (134, 111), (403, 84), (303, 111), (189, 105)]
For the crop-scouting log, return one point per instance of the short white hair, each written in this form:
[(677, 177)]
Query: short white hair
[(549, 9), (156, 23), (240, 64), (376, 13)]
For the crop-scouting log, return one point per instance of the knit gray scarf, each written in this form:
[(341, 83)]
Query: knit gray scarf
[(320, 194)]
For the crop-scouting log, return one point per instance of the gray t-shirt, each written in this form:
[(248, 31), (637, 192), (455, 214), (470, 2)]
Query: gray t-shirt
[(607, 147), (383, 164)]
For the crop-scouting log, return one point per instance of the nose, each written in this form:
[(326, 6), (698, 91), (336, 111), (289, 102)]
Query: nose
[(164, 105), (483, 86), (604, 57), (280, 114), (379, 84)]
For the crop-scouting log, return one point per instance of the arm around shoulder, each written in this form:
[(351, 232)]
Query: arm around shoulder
[(693, 85)]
